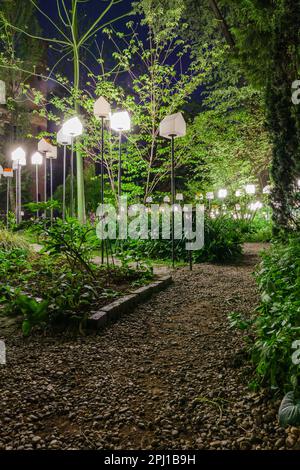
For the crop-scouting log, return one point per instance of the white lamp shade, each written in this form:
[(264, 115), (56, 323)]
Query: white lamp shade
[(267, 189), (37, 158), (2, 92), (166, 199), (52, 153), (8, 172), (22, 161), (210, 196), (120, 121), (222, 193), (179, 197), (172, 126), (102, 108), (44, 146), (72, 127), (18, 154), (63, 139), (250, 188)]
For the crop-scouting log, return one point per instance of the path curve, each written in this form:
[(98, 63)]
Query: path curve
[(170, 375)]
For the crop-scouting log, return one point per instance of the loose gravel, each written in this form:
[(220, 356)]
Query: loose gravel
[(169, 375)]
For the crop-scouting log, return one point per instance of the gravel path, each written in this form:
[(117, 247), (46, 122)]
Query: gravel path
[(171, 375)]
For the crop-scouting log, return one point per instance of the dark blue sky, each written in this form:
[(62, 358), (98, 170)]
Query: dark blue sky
[(89, 12)]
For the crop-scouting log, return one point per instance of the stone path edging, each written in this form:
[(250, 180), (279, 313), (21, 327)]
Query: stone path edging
[(115, 309)]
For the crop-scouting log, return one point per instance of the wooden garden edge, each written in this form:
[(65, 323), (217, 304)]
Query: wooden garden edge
[(127, 303)]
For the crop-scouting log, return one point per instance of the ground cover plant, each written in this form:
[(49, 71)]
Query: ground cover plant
[(59, 286), (222, 243)]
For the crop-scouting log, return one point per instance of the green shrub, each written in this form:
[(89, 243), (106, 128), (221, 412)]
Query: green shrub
[(222, 241), (257, 230), (9, 240), (72, 240), (277, 324)]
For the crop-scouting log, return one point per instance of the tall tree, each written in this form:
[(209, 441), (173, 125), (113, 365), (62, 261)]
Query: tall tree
[(74, 37), (16, 53)]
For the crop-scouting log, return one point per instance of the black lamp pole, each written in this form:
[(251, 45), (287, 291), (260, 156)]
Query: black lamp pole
[(102, 181), (64, 184), (72, 179)]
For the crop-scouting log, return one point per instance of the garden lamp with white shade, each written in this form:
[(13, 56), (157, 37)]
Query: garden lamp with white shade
[(72, 128), (172, 127), (179, 197), (51, 155), (267, 189), (102, 111), (222, 193), (64, 140), (120, 122), (37, 160), (19, 159), (44, 146), (250, 189)]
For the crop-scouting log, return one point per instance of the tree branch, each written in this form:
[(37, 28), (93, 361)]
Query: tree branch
[(223, 23)]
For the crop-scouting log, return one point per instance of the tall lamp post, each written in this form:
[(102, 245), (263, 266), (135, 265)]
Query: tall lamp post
[(8, 173), (64, 140), (171, 127), (72, 128), (120, 122), (52, 155), (43, 147), (37, 160), (102, 111), (19, 158)]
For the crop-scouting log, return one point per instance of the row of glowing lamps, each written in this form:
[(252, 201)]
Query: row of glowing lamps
[(171, 127), (119, 121)]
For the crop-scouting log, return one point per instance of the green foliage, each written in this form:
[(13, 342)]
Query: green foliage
[(258, 229), (48, 292), (236, 320), (34, 207), (34, 312), (289, 411), (277, 324), (222, 241), (10, 240), (72, 240)]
